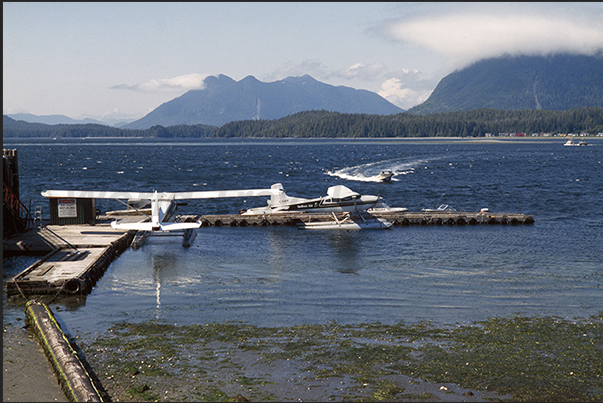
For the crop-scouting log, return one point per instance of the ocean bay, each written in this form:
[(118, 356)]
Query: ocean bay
[(280, 276)]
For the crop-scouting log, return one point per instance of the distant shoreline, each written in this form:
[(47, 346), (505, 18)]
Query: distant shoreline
[(496, 139)]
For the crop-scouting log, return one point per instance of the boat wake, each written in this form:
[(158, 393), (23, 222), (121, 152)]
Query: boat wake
[(369, 172)]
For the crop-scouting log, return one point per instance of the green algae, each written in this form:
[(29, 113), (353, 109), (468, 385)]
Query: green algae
[(519, 358)]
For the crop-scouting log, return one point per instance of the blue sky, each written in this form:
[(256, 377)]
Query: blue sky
[(122, 60)]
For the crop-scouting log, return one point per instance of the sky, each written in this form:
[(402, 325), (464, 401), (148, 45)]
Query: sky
[(122, 60)]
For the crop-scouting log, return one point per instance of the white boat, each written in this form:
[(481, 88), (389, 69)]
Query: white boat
[(570, 143), (385, 176), (442, 207), (338, 199), (350, 222), (383, 207)]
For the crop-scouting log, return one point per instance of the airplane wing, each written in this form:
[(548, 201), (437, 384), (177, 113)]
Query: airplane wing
[(161, 196), (216, 194), (340, 192), (91, 194), (138, 226)]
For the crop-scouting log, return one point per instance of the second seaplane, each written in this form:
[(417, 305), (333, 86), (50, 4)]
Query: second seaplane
[(163, 207), (339, 199)]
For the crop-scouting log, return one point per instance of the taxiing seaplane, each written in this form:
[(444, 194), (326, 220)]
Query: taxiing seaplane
[(163, 207), (338, 199)]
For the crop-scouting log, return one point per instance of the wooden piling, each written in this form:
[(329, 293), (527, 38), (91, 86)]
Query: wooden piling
[(73, 376)]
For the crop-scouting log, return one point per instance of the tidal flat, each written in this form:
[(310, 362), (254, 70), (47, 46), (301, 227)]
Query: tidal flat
[(501, 359)]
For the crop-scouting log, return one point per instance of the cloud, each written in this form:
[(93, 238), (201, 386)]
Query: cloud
[(406, 94), (466, 35), (403, 87), (175, 84), (295, 69), (361, 71)]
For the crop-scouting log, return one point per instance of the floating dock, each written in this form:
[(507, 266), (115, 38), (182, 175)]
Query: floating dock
[(77, 256), (397, 218)]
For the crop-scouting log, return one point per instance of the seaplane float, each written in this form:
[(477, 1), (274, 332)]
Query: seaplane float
[(163, 207), (339, 199), (350, 221)]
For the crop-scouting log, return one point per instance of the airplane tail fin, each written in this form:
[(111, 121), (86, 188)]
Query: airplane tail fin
[(278, 198)]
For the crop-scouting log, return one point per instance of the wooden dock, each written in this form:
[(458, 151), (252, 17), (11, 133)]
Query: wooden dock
[(398, 218), (77, 256)]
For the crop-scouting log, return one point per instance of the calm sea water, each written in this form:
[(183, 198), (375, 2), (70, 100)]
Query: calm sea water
[(281, 276)]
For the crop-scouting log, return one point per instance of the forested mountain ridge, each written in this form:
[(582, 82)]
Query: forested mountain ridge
[(473, 123), (556, 82), (324, 124)]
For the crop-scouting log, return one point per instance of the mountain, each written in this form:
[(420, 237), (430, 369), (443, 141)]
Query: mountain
[(66, 120), (11, 123), (225, 100), (557, 82), (51, 119)]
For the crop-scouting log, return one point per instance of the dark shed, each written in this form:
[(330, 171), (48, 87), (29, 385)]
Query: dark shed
[(72, 211)]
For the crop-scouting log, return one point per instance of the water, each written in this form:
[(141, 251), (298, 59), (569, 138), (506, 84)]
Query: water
[(280, 276)]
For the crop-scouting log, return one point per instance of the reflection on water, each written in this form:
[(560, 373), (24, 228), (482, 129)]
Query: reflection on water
[(161, 264)]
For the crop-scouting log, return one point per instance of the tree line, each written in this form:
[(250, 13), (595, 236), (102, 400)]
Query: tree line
[(324, 124), (473, 123)]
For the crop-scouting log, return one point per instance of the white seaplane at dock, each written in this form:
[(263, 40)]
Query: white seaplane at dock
[(163, 207), (338, 199)]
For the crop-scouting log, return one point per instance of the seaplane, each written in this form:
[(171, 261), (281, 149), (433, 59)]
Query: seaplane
[(163, 207), (338, 199)]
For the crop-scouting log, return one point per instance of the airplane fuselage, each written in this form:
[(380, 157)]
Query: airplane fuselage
[(328, 205)]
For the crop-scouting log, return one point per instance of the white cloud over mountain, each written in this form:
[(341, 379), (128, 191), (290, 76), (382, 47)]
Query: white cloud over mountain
[(479, 31), (175, 84)]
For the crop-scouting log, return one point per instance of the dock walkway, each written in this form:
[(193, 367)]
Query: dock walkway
[(76, 256), (399, 218)]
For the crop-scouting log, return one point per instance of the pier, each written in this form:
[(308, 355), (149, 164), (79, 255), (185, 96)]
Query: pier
[(398, 218), (76, 256)]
